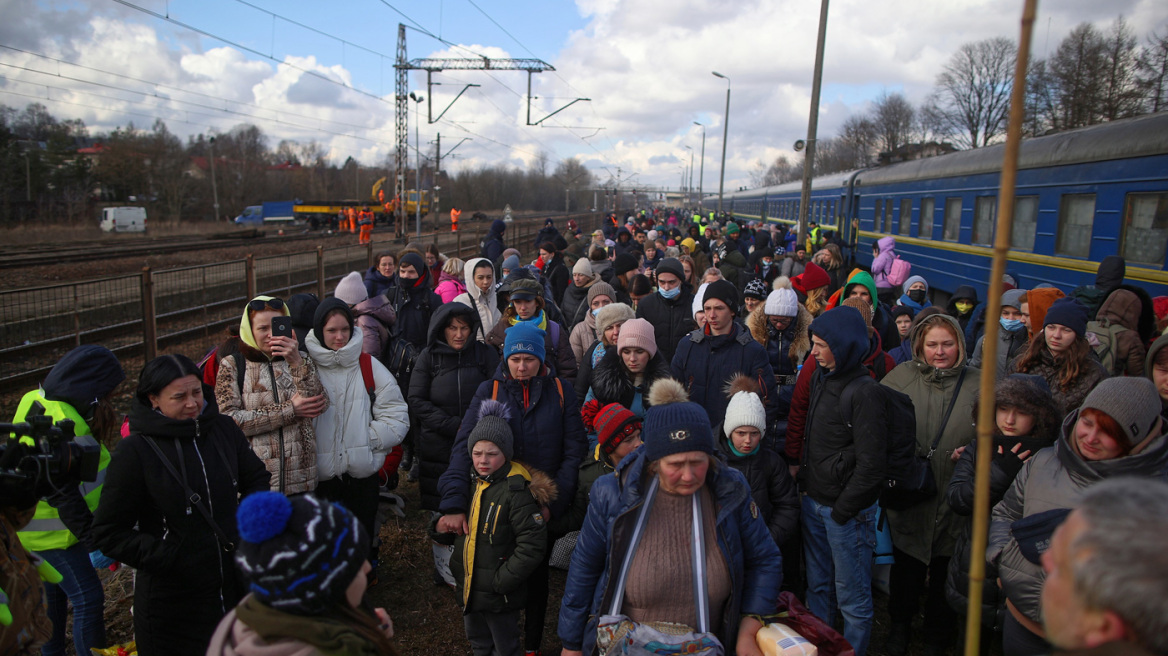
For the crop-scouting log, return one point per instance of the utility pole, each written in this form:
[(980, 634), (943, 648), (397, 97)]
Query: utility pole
[(214, 187), (437, 171), (812, 126), (702, 168), (417, 171)]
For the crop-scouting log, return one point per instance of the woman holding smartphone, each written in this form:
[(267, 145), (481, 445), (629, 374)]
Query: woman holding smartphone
[(272, 391)]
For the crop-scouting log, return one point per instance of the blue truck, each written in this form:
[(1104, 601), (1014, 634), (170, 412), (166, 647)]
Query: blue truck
[(279, 211)]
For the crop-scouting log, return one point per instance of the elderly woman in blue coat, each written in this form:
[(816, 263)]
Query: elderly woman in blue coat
[(742, 568)]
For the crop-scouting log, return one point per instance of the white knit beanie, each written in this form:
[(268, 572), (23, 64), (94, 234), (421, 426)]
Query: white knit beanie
[(698, 299), (582, 267), (782, 303), (745, 409), (351, 289)]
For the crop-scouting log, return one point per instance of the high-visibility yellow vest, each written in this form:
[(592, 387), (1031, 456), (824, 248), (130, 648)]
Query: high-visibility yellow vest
[(46, 531)]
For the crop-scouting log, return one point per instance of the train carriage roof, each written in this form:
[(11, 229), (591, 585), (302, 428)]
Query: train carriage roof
[(1136, 137)]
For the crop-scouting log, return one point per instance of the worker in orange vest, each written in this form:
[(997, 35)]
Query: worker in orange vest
[(454, 214), (366, 224)]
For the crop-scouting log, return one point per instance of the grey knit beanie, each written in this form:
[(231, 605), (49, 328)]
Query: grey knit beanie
[(601, 289), (1132, 402), (493, 426)]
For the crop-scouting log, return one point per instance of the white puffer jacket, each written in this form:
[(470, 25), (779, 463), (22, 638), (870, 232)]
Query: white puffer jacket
[(350, 440)]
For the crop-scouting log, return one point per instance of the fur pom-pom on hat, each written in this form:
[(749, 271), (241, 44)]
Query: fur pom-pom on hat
[(492, 426), (667, 390)]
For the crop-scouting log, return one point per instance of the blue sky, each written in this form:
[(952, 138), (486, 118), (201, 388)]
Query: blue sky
[(644, 63)]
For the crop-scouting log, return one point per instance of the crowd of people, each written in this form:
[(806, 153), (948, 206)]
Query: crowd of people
[(687, 412)]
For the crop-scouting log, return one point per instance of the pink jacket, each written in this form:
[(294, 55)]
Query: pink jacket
[(449, 287), (882, 264)]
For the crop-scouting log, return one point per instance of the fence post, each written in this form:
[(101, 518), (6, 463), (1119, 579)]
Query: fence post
[(149, 325), (251, 276), (320, 283), (369, 247)]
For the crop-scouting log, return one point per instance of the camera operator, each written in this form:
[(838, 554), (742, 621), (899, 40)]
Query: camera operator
[(79, 388), (29, 626)]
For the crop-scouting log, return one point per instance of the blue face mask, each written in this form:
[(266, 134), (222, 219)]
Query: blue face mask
[(1011, 324), (596, 312), (670, 293)]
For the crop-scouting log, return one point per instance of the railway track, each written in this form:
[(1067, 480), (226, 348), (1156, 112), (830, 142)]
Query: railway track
[(91, 251), (188, 303)]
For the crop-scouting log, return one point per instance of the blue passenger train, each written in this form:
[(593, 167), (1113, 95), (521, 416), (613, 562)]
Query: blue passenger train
[(1081, 195)]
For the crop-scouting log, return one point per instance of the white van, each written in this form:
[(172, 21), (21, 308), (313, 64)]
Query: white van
[(123, 219)]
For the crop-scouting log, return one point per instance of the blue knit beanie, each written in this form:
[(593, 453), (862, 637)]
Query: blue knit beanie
[(673, 423), (524, 337), (298, 555), (1067, 312)]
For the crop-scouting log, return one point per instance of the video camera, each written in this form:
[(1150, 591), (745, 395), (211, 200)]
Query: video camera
[(56, 458)]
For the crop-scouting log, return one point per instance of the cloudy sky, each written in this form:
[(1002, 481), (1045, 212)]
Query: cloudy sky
[(207, 65)]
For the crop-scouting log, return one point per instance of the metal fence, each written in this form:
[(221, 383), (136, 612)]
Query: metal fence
[(137, 314)]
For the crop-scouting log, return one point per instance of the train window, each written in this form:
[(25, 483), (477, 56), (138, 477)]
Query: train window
[(905, 216), (925, 229), (984, 211), (876, 215), (1145, 228), (888, 216), (951, 229), (1076, 217), (1025, 223)]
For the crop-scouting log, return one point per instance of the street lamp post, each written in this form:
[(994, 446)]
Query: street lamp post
[(214, 187), (417, 98), (702, 166), (689, 179), (725, 134)]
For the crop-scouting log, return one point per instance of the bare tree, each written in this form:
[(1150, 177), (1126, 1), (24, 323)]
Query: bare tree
[(972, 96), (1152, 68), (1076, 75), (1039, 99), (779, 172), (893, 117), (1120, 92), (859, 136)]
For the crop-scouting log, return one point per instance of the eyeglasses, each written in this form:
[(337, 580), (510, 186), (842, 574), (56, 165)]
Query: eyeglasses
[(258, 305)]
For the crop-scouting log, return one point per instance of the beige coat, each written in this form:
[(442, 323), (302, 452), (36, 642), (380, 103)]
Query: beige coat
[(286, 443)]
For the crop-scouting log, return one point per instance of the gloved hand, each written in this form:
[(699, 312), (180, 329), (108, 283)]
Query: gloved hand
[(100, 560)]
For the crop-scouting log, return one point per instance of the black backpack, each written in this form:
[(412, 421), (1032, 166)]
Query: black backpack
[(905, 469)]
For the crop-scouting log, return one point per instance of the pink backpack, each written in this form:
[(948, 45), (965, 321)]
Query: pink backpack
[(899, 272)]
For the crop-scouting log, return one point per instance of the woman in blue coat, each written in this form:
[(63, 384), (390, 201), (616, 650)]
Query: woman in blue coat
[(743, 573)]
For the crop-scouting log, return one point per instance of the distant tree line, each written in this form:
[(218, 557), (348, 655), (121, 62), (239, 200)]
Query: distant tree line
[(1093, 76), (54, 170)]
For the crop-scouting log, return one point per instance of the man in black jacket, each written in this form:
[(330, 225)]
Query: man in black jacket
[(842, 471), (668, 309)]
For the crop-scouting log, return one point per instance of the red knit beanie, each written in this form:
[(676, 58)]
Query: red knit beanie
[(813, 277), (615, 424)]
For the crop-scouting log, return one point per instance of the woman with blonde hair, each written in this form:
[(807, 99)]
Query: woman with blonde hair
[(812, 286), (450, 283)]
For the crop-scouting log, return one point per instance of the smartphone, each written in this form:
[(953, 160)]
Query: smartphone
[(282, 327)]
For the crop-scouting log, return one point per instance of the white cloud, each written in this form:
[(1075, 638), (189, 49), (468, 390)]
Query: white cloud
[(645, 64)]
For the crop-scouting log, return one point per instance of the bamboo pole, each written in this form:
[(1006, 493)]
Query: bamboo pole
[(989, 348)]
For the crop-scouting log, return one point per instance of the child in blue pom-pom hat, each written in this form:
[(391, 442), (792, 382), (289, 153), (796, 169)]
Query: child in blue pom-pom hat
[(304, 560)]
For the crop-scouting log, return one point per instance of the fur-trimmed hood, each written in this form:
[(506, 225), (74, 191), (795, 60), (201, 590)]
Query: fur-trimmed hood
[(611, 382), (542, 487), (800, 328)]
